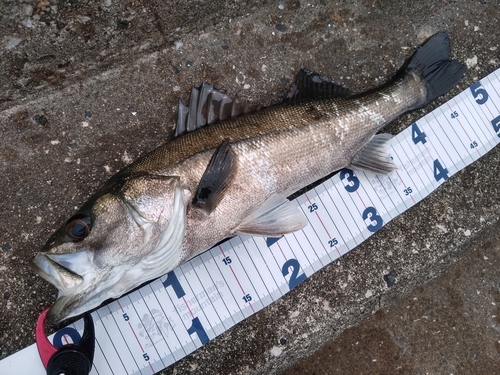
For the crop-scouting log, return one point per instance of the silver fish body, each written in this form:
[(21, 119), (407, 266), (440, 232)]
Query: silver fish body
[(230, 177)]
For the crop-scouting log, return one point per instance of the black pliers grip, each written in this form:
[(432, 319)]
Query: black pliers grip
[(70, 359)]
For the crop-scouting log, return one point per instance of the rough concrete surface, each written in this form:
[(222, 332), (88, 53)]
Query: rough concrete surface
[(447, 326), (88, 86)]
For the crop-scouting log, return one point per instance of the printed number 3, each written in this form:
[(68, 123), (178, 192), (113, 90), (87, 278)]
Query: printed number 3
[(375, 220), (352, 181)]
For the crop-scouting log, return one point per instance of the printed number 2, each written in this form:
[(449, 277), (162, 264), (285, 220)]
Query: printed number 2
[(295, 278)]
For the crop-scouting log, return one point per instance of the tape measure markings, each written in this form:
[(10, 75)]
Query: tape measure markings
[(156, 325), (152, 328), (260, 287), (106, 341)]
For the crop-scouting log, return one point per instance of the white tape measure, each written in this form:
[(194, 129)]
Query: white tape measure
[(157, 325)]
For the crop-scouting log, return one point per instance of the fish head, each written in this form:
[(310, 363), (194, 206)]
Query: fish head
[(129, 232)]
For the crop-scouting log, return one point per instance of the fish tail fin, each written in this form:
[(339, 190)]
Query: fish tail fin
[(438, 72)]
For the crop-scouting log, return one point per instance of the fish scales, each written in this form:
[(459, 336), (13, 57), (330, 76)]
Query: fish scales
[(293, 159), (231, 177)]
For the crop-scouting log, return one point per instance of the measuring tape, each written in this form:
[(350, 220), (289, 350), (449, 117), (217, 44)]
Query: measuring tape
[(157, 325)]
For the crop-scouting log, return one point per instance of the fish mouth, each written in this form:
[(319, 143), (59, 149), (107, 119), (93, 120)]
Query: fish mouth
[(54, 272), (66, 273)]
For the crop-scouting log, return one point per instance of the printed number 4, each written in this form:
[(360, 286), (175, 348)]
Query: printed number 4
[(417, 135), (439, 171)]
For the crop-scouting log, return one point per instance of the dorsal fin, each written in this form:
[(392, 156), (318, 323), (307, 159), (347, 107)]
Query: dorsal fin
[(309, 85), (208, 105)]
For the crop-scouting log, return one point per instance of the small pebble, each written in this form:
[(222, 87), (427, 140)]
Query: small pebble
[(41, 119), (281, 28), (6, 246)]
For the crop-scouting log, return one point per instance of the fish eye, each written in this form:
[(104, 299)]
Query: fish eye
[(78, 227)]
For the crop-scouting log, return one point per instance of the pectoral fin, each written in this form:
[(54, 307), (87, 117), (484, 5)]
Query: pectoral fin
[(374, 157), (216, 178), (276, 217)]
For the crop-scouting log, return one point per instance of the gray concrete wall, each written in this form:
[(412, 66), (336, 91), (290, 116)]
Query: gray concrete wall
[(88, 86)]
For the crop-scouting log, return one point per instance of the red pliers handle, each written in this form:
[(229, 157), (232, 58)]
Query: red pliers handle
[(70, 359)]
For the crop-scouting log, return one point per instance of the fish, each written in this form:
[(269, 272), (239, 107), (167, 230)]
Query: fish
[(228, 170)]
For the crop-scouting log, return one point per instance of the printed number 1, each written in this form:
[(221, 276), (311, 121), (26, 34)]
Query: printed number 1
[(197, 327), (173, 281)]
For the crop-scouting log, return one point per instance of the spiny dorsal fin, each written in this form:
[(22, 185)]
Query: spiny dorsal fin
[(310, 85), (276, 217), (216, 178), (208, 105)]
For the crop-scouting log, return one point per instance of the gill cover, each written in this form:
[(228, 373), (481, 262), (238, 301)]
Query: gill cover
[(135, 235)]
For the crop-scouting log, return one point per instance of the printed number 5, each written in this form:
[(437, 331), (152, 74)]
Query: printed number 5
[(479, 93)]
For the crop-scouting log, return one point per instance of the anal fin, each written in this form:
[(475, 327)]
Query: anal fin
[(374, 157), (216, 178), (276, 217)]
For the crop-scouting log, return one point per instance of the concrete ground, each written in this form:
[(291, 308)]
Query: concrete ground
[(88, 86), (451, 325)]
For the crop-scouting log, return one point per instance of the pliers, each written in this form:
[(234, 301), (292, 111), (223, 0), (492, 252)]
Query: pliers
[(70, 359)]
